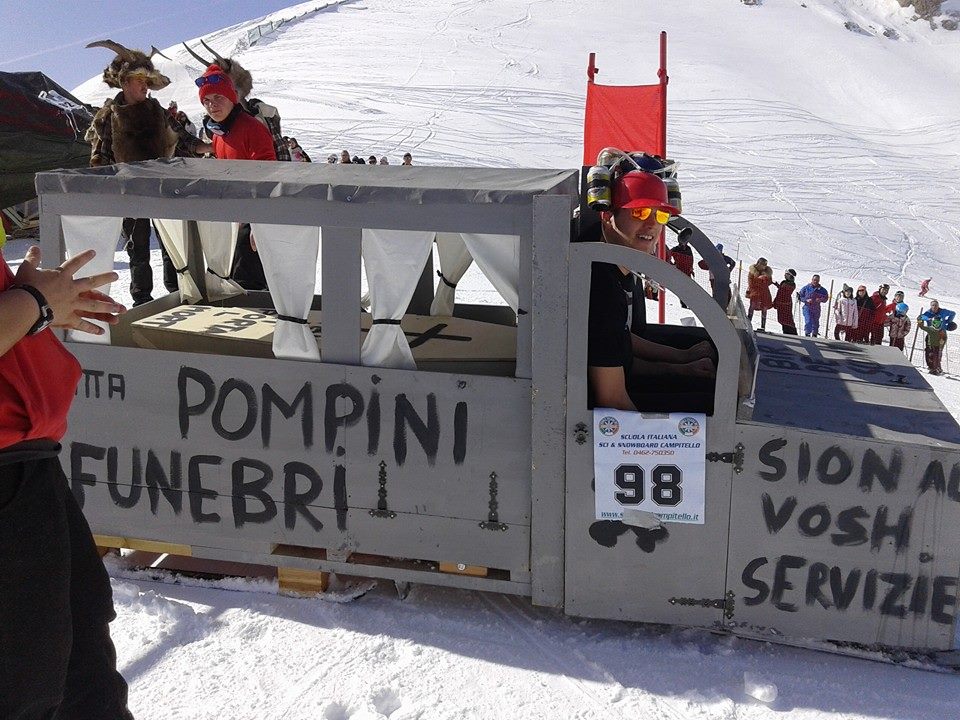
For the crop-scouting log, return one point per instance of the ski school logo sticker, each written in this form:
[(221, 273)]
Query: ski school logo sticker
[(608, 425), (688, 426)]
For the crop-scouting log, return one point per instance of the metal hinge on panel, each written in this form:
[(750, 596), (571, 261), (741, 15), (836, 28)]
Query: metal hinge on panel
[(735, 457), (493, 519), (382, 510), (726, 603)]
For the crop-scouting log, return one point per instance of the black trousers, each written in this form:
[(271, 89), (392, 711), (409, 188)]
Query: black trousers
[(247, 267), (136, 235), (56, 656)]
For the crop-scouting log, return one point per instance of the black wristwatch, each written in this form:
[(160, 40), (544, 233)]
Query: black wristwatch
[(46, 314)]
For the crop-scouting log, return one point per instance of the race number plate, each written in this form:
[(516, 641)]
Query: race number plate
[(654, 464)]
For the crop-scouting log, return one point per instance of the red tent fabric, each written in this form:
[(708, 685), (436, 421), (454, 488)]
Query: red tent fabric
[(629, 117)]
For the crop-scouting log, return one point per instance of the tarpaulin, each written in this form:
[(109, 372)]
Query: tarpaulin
[(629, 117), (41, 128)]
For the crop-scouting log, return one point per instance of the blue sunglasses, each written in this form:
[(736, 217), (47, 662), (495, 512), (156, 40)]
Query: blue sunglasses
[(210, 80)]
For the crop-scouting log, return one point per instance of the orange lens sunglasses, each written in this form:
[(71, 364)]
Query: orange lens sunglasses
[(642, 213)]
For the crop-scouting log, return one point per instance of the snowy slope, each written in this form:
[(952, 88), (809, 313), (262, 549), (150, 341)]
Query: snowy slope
[(821, 147)]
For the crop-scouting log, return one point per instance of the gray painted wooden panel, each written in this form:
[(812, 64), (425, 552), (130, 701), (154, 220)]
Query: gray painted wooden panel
[(549, 368), (621, 572), (845, 539), (205, 518), (439, 217)]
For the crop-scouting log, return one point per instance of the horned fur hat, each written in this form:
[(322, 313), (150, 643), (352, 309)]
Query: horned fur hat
[(242, 80), (128, 63)]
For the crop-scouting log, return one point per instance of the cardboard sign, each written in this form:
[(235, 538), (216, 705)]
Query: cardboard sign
[(654, 464), (249, 332)]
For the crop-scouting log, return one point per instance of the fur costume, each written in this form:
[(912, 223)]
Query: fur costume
[(130, 62), (129, 133)]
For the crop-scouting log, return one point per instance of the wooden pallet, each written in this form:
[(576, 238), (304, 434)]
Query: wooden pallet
[(180, 558), (292, 580)]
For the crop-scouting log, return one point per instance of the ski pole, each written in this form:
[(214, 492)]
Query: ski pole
[(914, 346), (826, 334)]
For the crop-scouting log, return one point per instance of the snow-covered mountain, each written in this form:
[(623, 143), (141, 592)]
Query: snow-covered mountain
[(822, 134), (820, 148)]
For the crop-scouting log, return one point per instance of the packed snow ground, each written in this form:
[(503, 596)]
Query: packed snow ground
[(821, 148)]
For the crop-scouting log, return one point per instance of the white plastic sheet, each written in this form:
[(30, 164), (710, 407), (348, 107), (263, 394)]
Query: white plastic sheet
[(289, 256), (173, 235), (455, 260), (218, 240), (394, 261), (83, 232)]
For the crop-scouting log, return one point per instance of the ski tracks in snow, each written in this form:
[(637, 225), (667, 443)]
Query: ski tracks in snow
[(621, 703)]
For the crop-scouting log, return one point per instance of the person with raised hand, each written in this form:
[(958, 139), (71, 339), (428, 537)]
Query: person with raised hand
[(56, 655)]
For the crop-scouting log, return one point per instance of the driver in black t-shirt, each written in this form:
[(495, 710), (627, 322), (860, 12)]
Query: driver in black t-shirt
[(627, 371)]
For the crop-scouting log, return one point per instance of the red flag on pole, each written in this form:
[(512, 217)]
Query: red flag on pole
[(631, 118), (628, 117)]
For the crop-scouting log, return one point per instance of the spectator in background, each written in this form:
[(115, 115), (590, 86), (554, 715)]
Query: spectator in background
[(864, 316), (407, 159), (936, 339), (880, 311), (728, 261), (237, 135), (935, 311), (681, 254), (924, 287), (184, 120), (332, 159), (783, 302), (899, 325), (812, 296), (297, 153), (372, 160), (384, 161), (845, 315), (759, 279), (345, 157), (357, 160)]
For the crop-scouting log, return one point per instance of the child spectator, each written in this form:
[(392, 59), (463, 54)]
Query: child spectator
[(899, 325), (934, 342), (845, 315)]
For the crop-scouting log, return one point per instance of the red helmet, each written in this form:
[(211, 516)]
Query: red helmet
[(641, 189)]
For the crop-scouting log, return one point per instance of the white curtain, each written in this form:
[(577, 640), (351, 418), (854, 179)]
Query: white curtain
[(218, 240), (455, 259), (394, 261), (289, 256), (498, 256), (173, 235), (83, 232)]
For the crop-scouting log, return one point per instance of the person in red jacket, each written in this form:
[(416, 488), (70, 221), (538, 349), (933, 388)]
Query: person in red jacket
[(881, 308), (237, 135), (56, 655), (681, 255)]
